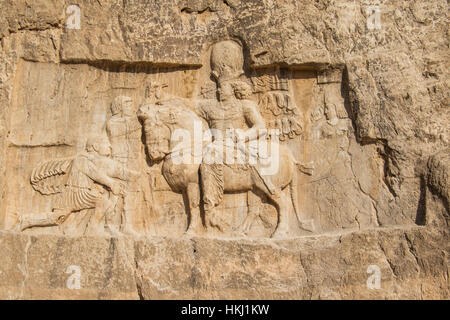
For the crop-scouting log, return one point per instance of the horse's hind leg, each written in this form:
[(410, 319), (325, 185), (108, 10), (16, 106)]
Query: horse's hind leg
[(277, 199), (195, 225), (282, 229)]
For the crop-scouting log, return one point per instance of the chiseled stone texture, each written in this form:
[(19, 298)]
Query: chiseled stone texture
[(413, 262), (369, 108)]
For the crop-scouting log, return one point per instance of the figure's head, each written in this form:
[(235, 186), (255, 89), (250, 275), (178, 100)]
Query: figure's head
[(143, 112), (98, 145), (330, 111), (153, 92), (242, 90), (227, 60), (225, 90), (122, 105)]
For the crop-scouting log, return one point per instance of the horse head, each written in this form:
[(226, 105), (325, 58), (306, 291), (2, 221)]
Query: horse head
[(156, 133), (160, 122)]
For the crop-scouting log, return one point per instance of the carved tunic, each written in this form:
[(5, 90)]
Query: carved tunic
[(223, 116), (80, 192), (124, 134), (234, 114), (82, 188)]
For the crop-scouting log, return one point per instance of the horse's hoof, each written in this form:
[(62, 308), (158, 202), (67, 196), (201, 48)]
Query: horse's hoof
[(195, 230), (243, 232), (215, 222), (307, 225), (280, 234), (247, 225)]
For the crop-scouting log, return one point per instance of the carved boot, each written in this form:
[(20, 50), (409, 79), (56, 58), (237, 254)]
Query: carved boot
[(213, 219)]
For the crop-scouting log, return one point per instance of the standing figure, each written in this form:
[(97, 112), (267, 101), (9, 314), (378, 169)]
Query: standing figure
[(124, 132)]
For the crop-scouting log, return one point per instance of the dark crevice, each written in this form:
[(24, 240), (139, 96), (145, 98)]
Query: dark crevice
[(412, 250), (261, 54), (228, 4), (137, 281), (189, 10), (421, 207), (139, 290), (351, 109), (135, 66), (109, 263), (195, 275)]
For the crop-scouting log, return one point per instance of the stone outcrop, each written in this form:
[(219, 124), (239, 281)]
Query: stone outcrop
[(413, 265), (105, 114)]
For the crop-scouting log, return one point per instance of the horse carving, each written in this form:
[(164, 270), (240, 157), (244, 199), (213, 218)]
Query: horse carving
[(161, 121)]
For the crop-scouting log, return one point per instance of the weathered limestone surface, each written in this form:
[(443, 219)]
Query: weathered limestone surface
[(363, 114), (413, 263)]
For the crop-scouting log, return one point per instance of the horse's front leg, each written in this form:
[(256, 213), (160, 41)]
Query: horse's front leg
[(252, 212), (195, 225)]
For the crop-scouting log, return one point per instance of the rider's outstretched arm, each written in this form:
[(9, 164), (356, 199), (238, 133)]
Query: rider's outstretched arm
[(254, 120)]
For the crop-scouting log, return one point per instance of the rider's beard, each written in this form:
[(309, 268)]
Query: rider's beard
[(226, 104)]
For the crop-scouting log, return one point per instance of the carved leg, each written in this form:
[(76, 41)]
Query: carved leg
[(282, 228), (130, 213), (195, 226), (277, 199), (212, 188), (113, 217), (102, 208), (213, 219), (253, 212), (53, 218)]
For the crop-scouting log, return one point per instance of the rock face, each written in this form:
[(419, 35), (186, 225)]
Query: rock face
[(413, 264), (224, 149)]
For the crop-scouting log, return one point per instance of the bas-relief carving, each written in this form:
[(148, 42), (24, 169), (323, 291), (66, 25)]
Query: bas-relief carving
[(90, 180), (129, 182)]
